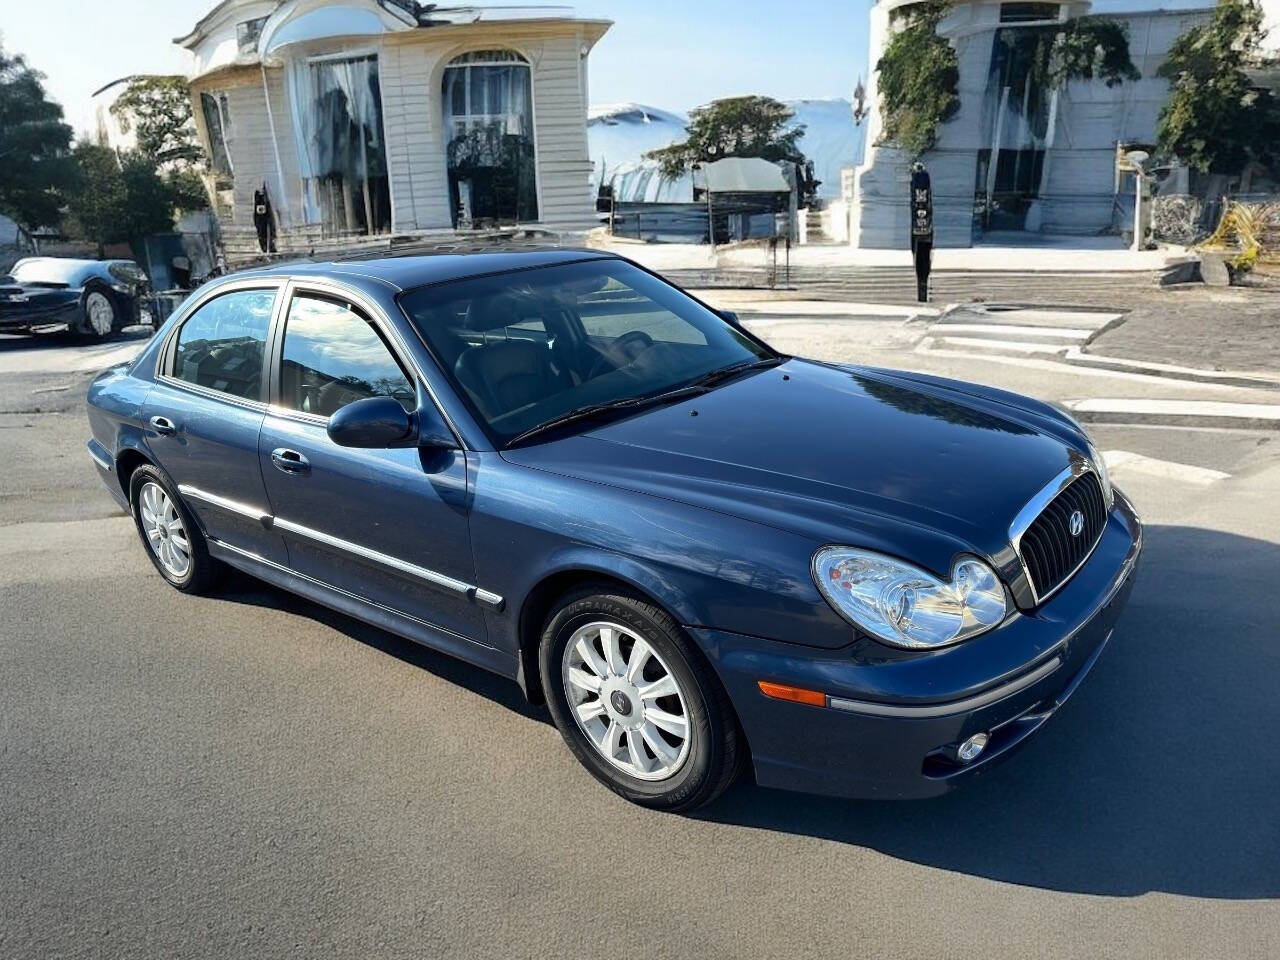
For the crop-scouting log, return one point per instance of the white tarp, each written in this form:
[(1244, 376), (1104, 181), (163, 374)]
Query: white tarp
[(741, 175)]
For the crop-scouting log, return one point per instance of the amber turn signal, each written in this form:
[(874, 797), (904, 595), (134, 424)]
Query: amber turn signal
[(782, 692)]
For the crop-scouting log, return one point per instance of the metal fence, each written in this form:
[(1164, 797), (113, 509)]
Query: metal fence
[(737, 218)]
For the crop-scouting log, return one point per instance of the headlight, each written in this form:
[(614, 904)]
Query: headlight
[(905, 606), (1095, 456), (1100, 468)]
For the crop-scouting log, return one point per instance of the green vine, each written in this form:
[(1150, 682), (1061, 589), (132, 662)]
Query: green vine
[(919, 73), (919, 78)]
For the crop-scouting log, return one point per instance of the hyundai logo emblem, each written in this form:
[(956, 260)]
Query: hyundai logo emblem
[(1077, 523)]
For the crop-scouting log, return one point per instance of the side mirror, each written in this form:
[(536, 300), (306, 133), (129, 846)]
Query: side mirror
[(730, 316), (377, 423), (373, 423)]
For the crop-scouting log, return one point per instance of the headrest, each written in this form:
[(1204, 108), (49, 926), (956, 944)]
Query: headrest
[(493, 312)]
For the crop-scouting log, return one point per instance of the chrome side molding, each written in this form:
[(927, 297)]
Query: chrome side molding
[(925, 711), (346, 546), (98, 458)]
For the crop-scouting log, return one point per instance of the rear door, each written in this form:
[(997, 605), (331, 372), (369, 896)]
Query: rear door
[(205, 412), (389, 526)]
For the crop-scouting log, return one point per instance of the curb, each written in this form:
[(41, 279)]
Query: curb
[(1177, 420), (1078, 358)]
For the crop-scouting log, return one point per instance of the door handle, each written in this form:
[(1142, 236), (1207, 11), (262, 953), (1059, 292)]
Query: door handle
[(163, 426), (290, 461)]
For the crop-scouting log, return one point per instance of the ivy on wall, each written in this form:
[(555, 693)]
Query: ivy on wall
[(919, 78), (919, 72)]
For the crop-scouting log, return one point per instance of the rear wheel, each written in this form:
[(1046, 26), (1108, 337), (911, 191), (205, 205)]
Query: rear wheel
[(99, 314), (636, 702), (169, 533)]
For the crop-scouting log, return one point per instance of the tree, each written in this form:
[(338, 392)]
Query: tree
[(34, 147), (1216, 120), (158, 108), (98, 202), (735, 127), (123, 198)]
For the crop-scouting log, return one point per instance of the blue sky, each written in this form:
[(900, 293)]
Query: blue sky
[(665, 53)]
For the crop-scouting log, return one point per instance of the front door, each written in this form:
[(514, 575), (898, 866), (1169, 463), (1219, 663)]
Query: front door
[(205, 412), (389, 526)]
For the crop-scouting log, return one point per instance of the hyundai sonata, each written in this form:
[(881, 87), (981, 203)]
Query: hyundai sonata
[(701, 554)]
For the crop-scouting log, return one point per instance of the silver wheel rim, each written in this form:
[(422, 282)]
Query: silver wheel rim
[(166, 535), (101, 316), (626, 700)]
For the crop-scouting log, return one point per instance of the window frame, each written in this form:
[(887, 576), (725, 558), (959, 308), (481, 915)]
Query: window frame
[(391, 336), (276, 405), (166, 357)]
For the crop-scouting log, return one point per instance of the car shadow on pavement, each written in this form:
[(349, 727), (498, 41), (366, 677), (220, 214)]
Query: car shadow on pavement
[(239, 587), (1162, 773)]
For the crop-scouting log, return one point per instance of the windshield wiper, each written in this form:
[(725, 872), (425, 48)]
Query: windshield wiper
[(598, 409), (724, 373), (692, 389)]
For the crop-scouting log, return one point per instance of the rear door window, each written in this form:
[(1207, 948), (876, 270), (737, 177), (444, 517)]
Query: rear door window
[(222, 346)]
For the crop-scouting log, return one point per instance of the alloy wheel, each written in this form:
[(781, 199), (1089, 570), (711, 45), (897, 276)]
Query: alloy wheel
[(166, 535), (102, 316), (626, 700)]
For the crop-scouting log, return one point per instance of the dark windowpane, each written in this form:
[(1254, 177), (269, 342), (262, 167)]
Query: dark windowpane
[(1024, 12), (333, 357), (247, 34), (223, 344)]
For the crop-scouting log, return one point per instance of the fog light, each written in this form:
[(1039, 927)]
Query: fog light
[(972, 748)]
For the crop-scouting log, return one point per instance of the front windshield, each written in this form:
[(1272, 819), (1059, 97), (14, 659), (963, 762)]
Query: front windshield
[(529, 346)]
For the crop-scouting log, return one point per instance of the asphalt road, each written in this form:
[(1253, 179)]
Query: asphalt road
[(251, 775)]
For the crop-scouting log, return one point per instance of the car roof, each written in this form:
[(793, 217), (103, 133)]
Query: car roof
[(416, 270)]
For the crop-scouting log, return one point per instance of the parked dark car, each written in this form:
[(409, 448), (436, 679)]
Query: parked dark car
[(701, 554), (94, 298)]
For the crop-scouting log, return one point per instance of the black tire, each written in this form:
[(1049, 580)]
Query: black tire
[(203, 569), (716, 748)]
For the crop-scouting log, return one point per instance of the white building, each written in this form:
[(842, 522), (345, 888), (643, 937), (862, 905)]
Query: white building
[(1015, 158), (377, 117)]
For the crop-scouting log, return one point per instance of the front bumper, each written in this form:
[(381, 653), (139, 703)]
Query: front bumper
[(890, 725)]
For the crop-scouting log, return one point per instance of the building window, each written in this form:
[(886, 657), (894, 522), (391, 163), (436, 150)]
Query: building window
[(488, 114), (248, 33), (217, 121), (341, 146), (1027, 12)]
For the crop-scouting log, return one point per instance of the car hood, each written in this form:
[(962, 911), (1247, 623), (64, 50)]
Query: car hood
[(840, 454)]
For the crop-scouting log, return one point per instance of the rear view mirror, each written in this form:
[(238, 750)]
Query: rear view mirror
[(730, 316)]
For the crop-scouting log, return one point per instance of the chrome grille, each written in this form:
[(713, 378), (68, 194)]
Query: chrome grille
[(1051, 552)]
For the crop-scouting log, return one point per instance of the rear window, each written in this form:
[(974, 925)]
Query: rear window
[(222, 346), (48, 270)]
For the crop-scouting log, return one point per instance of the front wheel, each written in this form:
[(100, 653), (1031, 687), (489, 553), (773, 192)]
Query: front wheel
[(636, 703)]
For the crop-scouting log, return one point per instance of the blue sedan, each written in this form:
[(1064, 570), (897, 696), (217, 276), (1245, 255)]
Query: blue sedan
[(701, 555)]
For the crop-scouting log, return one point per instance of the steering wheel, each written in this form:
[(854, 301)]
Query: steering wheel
[(630, 345)]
